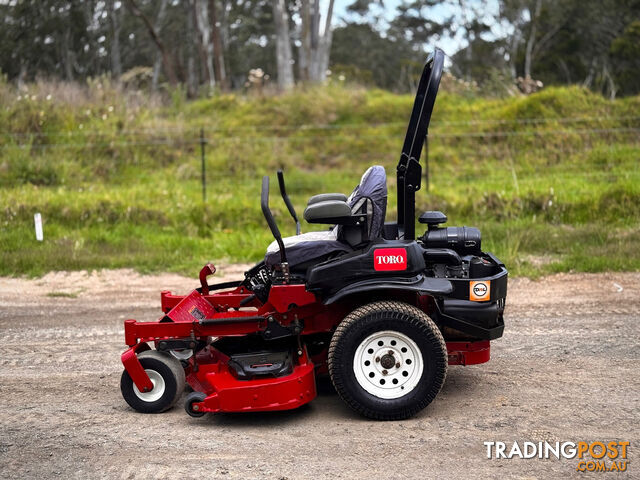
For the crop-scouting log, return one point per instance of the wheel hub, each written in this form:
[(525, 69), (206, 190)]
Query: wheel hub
[(388, 364), (387, 361), (156, 392)]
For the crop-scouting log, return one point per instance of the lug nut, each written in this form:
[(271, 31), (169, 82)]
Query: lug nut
[(377, 359), (384, 372), (390, 352), (398, 365)]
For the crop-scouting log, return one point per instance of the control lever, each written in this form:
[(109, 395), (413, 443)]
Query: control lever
[(287, 201)]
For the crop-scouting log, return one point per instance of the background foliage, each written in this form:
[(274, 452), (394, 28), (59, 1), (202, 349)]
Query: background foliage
[(593, 43), (552, 179), (102, 104)]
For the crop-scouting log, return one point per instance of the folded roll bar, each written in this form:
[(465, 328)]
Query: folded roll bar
[(409, 171)]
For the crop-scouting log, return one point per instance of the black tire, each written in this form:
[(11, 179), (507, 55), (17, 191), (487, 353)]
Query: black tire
[(387, 316), (192, 398), (172, 373)]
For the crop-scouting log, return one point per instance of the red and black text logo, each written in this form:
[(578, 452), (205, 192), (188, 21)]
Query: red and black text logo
[(389, 259)]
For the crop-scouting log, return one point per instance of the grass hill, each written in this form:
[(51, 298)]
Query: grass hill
[(552, 180)]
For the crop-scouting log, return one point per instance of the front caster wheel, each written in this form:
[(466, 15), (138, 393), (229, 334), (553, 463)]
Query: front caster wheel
[(387, 360), (194, 397), (166, 375)]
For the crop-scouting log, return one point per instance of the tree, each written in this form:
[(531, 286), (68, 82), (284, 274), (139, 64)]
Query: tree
[(153, 33), (201, 13), (116, 26), (625, 53), (218, 48), (488, 60), (250, 44), (382, 63), (315, 46), (284, 58)]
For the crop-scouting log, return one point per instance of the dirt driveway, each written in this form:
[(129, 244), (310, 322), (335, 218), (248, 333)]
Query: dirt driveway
[(567, 369)]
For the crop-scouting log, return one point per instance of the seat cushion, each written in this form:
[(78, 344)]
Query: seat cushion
[(316, 246), (373, 187), (306, 247)]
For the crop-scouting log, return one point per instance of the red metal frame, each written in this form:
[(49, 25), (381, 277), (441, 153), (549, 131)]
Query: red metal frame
[(469, 353), (286, 304), (134, 368)]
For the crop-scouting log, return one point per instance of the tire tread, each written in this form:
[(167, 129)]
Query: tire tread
[(360, 316)]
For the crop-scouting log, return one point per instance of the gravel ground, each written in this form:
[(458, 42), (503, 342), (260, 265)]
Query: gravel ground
[(565, 370)]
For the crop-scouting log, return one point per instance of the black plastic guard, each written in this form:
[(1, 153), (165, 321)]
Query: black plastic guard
[(420, 284), (480, 320)]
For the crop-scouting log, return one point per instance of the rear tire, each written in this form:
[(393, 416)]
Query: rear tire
[(168, 378), (387, 360)]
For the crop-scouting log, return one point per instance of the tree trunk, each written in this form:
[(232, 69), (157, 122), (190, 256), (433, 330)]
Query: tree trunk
[(528, 54), (327, 40), (67, 55), (22, 76), (218, 48), (116, 63), (157, 65), (513, 54), (304, 60), (590, 74), (206, 47), (609, 79), (191, 79), (315, 48), (283, 45), (469, 36), (314, 67), (166, 60)]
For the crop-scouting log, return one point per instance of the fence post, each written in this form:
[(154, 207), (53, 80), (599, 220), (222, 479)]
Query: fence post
[(204, 176)]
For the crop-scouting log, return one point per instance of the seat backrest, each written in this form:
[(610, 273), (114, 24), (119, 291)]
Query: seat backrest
[(370, 198)]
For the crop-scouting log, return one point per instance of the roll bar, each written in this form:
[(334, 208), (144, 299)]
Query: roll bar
[(273, 226), (287, 202), (409, 171)]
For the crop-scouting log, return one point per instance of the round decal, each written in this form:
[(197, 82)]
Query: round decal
[(479, 291)]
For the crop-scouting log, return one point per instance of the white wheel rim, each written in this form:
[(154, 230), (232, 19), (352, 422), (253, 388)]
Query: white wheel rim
[(156, 392), (375, 371)]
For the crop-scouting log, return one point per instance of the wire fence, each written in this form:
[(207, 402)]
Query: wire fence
[(194, 131), (177, 142), (504, 142)]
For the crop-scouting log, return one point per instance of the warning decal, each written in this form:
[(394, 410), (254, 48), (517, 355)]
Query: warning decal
[(480, 291)]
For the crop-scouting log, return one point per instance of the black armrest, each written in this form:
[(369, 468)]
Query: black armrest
[(323, 197), (331, 212)]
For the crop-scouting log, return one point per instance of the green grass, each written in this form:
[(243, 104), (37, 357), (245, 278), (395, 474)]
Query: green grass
[(552, 180)]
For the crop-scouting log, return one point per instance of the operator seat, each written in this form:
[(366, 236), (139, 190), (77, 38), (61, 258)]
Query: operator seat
[(369, 199)]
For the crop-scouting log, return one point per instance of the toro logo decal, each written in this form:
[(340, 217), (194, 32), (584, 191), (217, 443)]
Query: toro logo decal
[(479, 291), (389, 259)]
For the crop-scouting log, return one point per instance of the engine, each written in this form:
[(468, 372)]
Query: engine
[(463, 240), (453, 252)]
